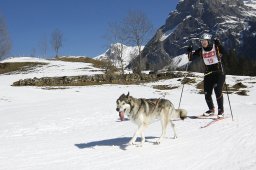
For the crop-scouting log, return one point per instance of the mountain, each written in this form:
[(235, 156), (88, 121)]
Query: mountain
[(113, 53), (232, 21)]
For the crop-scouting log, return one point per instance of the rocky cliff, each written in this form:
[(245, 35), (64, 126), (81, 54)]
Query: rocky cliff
[(232, 21)]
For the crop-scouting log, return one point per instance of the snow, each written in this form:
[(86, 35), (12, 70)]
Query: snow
[(128, 54), (180, 60), (252, 4), (25, 59), (54, 68), (177, 62), (167, 33), (78, 127)]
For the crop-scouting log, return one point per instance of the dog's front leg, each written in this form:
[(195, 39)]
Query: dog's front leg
[(138, 131)]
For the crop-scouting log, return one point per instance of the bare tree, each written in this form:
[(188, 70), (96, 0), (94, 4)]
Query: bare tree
[(5, 43), (117, 36), (138, 28), (56, 41), (43, 45), (134, 30), (33, 52)]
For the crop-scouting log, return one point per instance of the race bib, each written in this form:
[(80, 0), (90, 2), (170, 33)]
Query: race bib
[(210, 57)]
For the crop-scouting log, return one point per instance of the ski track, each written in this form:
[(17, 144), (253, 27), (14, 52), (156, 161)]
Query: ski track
[(78, 128)]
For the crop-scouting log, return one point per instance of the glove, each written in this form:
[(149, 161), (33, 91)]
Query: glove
[(216, 41), (190, 49)]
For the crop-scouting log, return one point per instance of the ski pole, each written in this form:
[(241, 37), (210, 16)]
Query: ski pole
[(227, 94), (229, 102), (191, 46), (183, 86)]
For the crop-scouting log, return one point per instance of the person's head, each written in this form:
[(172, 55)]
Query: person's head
[(205, 39)]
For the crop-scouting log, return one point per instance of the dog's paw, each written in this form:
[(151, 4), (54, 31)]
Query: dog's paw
[(124, 147), (139, 145), (157, 142), (131, 143), (175, 137)]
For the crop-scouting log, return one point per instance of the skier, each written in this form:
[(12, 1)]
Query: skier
[(214, 77)]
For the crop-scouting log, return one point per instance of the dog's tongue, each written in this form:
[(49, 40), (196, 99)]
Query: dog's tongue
[(121, 115)]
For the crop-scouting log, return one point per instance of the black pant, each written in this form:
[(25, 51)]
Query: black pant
[(214, 80)]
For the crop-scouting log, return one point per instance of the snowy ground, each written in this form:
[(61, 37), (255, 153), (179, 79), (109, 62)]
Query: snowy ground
[(78, 127)]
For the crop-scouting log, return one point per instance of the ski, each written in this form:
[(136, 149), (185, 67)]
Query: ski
[(214, 120), (202, 117)]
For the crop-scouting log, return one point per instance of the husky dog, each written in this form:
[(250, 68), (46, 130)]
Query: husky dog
[(143, 111)]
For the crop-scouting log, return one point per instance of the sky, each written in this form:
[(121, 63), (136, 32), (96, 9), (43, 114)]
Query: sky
[(83, 23)]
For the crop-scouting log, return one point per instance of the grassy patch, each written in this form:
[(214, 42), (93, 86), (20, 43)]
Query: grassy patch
[(18, 67), (188, 80), (239, 85), (164, 87), (95, 63), (242, 93), (54, 88), (231, 89)]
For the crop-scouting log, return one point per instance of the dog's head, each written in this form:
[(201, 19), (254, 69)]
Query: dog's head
[(123, 105)]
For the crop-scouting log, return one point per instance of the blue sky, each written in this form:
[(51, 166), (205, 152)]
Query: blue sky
[(82, 22)]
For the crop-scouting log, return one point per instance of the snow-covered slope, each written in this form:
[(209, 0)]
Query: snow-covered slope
[(178, 62), (55, 68), (113, 53), (251, 3), (78, 127)]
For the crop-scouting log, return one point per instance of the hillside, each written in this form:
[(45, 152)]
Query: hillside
[(79, 128)]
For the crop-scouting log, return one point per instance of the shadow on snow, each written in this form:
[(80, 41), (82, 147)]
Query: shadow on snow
[(120, 142)]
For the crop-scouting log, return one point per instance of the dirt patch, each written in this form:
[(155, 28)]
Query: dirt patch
[(231, 89), (187, 80), (96, 63), (54, 88), (24, 67), (242, 93), (164, 87), (239, 85)]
